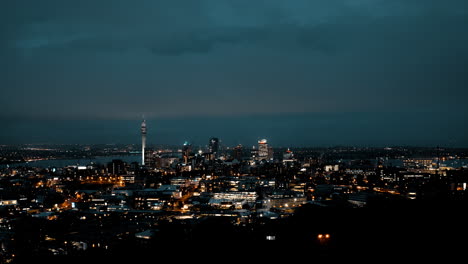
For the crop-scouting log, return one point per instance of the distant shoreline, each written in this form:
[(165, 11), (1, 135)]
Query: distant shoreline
[(70, 161)]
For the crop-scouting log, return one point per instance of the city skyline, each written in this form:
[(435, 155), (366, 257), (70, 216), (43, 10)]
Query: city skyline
[(100, 203), (366, 72)]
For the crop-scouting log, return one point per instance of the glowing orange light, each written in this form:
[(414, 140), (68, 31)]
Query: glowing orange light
[(320, 236)]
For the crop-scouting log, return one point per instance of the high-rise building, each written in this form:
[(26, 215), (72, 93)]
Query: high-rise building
[(254, 153), (270, 153), (262, 149), (186, 151), (214, 146), (288, 156), (237, 153), (150, 157), (143, 141), (116, 167)]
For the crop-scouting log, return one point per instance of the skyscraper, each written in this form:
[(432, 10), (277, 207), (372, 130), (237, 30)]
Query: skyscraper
[(262, 149), (214, 145), (186, 151), (116, 167), (237, 153), (150, 157), (143, 141), (288, 155), (265, 152)]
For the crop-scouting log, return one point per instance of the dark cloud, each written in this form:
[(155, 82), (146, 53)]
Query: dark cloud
[(120, 59)]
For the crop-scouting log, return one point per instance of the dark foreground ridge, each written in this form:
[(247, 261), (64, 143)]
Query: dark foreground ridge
[(393, 230)]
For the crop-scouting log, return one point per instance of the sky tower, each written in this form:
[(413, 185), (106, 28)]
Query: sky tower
[(143, 141)]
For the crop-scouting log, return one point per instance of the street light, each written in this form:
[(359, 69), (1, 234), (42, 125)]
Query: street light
[(323, 238)]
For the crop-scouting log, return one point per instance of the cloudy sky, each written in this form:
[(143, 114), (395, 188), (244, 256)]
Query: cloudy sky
[(298, 72)]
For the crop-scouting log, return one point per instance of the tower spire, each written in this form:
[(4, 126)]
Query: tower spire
[(143, 141)]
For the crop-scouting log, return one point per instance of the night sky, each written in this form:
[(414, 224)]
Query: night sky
[(297, 72)]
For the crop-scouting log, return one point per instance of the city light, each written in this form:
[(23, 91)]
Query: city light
[(323, 237), (130, 202)]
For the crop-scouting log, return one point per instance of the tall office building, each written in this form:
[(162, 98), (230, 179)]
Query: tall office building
[(237, 153), (116, 167), (265, 152), (254, 153), (288, 155), (186, 151), (262, 149), (150, 157), (143, 141), (214, 145), (270, 153)]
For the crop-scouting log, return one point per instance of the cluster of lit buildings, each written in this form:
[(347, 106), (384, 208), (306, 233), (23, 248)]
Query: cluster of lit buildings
[(101, 205)]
